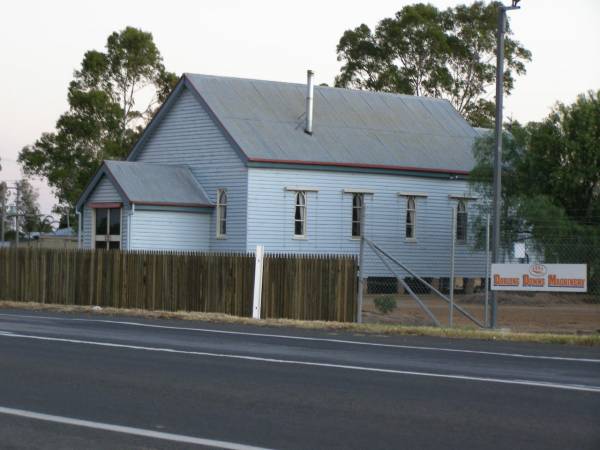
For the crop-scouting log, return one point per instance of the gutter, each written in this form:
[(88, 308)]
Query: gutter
[(360, 166)]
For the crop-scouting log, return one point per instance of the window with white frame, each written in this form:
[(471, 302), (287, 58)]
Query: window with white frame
[(357, 205), (411, 218), (462, 220), (300, 215), (107, 228), (221, 213)]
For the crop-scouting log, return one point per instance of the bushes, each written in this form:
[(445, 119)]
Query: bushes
[(385, 305)]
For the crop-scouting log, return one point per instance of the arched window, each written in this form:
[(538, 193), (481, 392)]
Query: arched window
[(221, 213), (462, 220), (411, 218), (357, 204), (300, 215)]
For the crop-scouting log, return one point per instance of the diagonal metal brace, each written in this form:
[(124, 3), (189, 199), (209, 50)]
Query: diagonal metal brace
[(446, 299), (423, 306)]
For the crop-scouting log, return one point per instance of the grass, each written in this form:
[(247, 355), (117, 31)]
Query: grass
[(364, 328)]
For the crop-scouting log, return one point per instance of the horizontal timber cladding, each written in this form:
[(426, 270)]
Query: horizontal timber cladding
[(189, 136), (329, 218), (296, 287), (170, 230)]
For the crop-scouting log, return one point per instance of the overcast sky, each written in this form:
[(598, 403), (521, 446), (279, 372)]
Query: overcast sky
[(42, 42)]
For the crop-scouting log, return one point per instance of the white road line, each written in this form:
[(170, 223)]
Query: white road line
[(305, 338), (570, 387), (128, 430)]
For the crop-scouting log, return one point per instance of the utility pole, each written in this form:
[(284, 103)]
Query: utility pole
[(497, 181)]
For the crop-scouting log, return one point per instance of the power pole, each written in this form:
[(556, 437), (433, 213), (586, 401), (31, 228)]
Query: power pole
[(497, 181)]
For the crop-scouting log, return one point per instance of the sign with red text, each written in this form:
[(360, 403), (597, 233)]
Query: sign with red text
[(539, 277)]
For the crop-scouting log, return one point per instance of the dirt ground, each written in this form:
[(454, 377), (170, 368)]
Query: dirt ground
[(515, 312)]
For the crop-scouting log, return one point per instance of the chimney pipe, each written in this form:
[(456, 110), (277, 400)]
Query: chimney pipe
[(309, 101)]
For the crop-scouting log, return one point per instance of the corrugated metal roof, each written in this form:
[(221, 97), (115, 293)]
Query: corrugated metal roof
[(266, 119), (157, 184)]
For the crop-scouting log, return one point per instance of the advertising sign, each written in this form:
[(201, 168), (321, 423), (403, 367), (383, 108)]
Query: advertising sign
[(539, 277)]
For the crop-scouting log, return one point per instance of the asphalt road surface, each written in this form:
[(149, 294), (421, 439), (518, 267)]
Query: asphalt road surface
[(98, 382)]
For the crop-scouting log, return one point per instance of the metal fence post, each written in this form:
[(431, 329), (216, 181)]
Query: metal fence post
[(3, 212), (452, 251), (17, 213), (361, 262), (487, 273), (258, 279)]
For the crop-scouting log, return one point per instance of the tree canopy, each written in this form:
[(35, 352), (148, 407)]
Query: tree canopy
[(30, 218), (112, 96), (550, 182), (422, 50)]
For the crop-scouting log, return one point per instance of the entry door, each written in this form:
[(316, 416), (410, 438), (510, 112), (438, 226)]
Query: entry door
[(108, 228)]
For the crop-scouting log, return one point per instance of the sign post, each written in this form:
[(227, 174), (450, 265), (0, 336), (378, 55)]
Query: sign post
[(258, 278), (452, 251)]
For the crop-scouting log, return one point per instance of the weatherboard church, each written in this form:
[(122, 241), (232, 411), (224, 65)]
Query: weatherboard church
[(229, 163)]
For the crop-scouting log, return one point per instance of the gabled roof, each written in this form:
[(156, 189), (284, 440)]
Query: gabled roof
[(151, 184), (265, 119)]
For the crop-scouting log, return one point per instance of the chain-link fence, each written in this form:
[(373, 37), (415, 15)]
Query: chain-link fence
[(413, 274)]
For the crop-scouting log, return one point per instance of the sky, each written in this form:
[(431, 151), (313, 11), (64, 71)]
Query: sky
[(42, 43)]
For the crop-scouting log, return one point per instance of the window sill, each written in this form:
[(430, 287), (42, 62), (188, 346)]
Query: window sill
[(300, 238), (222, 238), (355, 238), (412, 240)]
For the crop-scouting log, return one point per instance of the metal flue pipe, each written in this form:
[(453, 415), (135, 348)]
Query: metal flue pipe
[(309, 101)]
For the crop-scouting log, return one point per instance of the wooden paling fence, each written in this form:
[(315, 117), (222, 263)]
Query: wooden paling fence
[(295, 287), (310, 287)]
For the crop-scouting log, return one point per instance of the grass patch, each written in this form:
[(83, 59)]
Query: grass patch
[(365, 328)]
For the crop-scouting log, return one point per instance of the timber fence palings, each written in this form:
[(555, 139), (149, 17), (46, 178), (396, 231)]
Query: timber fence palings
[(302, 287), (309, 287)]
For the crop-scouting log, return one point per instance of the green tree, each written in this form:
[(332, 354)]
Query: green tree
[(28, 207), (106, 113), (29, 216), (425, 51), (563, 158), (550, 183)]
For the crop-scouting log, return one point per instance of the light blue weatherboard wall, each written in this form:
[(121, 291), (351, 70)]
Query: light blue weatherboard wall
[(329, 218), (170, 230), (187, 135), (104, 192)]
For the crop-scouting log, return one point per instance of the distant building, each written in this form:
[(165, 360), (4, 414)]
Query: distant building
[(230, 163), (61, 238)]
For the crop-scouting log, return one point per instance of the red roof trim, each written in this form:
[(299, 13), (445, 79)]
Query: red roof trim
[(190, 205), (359, 165), (106, 205)]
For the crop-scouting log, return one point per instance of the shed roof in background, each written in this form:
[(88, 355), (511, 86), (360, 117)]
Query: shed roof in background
[(157, 184), (484, 131), (350, 127)]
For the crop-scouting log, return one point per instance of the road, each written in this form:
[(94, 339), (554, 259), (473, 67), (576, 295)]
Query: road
[(96, 382)]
